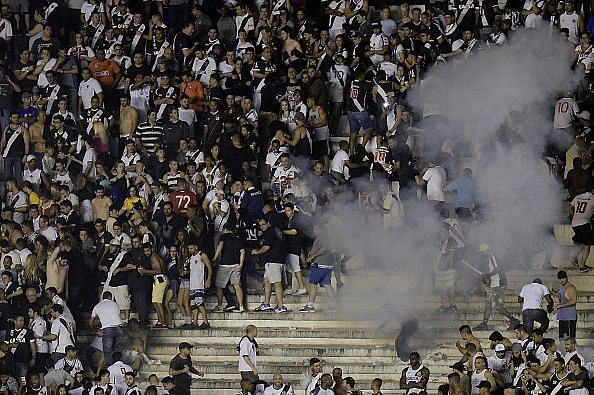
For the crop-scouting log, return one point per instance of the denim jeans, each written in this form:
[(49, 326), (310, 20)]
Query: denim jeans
[(529, 316), (13, 167), (109, 339)]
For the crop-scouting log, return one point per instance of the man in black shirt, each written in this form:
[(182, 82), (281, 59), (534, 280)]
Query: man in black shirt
[(274, 253), (140, 284), (20, 339), (232, 253), (357, 104), (169, 222), (180, 366)]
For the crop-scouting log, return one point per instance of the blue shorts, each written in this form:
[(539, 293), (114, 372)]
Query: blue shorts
[(184, 283), (358, 120), (319, 276), (174, 286)]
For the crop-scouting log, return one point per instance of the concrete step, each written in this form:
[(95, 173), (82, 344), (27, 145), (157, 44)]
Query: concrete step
[(228, 382)]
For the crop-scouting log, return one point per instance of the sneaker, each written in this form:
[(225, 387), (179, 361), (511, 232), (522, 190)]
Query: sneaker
[(218, 309), (230, 307), (307, 309), (204, 325), (301, 291), (186, 326), (280, 309), (241, 309), (154, 362), (263, 307), (584, 269), (481, 327), (288, 291), (453, 308)]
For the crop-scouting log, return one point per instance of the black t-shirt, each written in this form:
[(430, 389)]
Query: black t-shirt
[(122, 277), (235, 157), (582, 376), (183, 380), (232, 247), (133, 70), (358, 96), (278, 249), (248, 230), (23, 337)]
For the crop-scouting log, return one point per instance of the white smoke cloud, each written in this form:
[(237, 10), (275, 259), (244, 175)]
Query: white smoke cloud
[(498, 106)]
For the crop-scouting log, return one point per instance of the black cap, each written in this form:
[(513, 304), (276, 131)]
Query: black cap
[(183, 345), (376, 24), (458, 366)]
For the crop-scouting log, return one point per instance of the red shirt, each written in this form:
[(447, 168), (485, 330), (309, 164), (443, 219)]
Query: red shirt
[(182, 200), (105, 72)]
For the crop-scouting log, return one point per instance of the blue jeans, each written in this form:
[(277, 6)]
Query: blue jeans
[(13, 167), (109, 339), (529, 316)]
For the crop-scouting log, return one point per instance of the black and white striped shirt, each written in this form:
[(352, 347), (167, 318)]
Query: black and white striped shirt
[(149, 135)]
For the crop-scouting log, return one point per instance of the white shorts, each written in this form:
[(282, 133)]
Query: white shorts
[(336, 93), (273, 272), (120, 295), (292, 263)]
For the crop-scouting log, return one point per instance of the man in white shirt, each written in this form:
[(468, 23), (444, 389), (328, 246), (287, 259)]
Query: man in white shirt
[(117, 373), (531, 297), (337, 166), (88, 88), (312, 379), (435, 178), (59, 335), (108, 313), (248, 349), (583, 209), (278, 386)]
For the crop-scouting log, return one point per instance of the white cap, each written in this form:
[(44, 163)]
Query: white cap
[(499, 347)]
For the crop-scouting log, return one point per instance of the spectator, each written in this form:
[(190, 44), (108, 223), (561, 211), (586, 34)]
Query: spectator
[(108, 313), (181, 368), (566, 307), (531, 296)]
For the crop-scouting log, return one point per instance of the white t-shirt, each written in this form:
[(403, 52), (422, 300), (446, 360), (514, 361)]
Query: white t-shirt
[(188, 116), (271, 391), (246, 347), (88, 89), (565, 112), (338, 161), (63, 336), (39, 327), (51, 234), (583, 205), (533, 295), (117, 373), (90, 157), (436, 182), (108, 313)]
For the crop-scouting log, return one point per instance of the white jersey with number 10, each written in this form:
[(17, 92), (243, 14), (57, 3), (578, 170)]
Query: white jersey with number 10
[(583, 208)]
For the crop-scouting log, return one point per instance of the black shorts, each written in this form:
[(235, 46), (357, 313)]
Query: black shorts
[(319, 149), (583, 234)]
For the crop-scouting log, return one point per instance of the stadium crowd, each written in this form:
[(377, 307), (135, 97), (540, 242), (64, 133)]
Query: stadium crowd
[(155, 153)]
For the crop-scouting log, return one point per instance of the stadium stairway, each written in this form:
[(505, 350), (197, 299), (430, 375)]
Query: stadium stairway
[(362, 345)]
